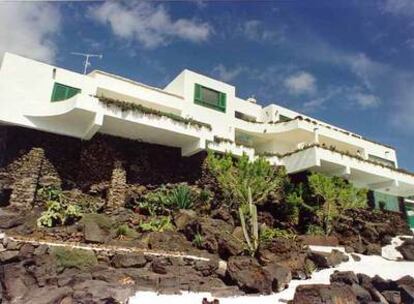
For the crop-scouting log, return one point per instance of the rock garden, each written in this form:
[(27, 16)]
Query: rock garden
[(95, 222)]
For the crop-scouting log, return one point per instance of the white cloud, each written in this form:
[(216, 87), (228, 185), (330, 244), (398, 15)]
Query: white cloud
[(319, 103), (410, 43), (254, 30), (366, 101), (398, 7), (301, 83), (149, 24), (226, 74), (29, 29)]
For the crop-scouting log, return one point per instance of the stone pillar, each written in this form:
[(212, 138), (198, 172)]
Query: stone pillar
[(49, 177), (117, 190), (25, 179)]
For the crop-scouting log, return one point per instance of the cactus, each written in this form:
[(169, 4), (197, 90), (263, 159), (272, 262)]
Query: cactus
[(251, 234)]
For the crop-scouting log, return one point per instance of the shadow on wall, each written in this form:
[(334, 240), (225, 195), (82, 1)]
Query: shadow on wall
[(81, 164)]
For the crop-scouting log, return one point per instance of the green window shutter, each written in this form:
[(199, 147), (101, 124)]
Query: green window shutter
[(71, 92), (59, 92), (222, 102), (209, 98), (197, 92), (63, 92)]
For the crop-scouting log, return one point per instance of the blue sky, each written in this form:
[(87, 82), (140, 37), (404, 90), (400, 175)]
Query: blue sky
[(350, 63)]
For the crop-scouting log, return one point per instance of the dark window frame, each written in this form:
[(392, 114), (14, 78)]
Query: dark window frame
[(200, 100)]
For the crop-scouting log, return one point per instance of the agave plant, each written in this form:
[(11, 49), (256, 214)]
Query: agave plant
[(181, 197)]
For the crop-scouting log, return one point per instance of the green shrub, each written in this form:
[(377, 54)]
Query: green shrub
[(235, 177), (74, 258), (125, 231), (206, 196), (49, 193), (294, 203), (198, 240), (268, 234), (334, 195), (155, 202), (59, 213), (181, 197), (49, 218), (163, 200), (315, 230), (59, 210), (157, 224)]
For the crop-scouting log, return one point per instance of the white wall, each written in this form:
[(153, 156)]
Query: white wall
[(26, 85), (220, 122)]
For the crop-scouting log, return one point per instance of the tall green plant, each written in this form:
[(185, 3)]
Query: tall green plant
[(237, 176), (333, 196), (248, 219)]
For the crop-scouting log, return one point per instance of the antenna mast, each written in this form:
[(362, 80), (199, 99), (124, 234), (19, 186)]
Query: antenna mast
[(87, 56)]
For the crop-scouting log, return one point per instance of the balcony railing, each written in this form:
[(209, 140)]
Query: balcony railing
[(343, 153), (133, 107)]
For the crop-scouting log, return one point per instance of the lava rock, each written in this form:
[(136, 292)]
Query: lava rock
[(48, 294), (373, 249), (407, 294), (361, 293), (392, 296), (380, 284), (345, 277), (407, 249), (9, 256), (327, 260), (26, 251), (159, 265), (280, 276), (9, 219), (318, 294), (183, 218), (168, 241), (246, 273), (128, 260), (207, 268), (93, 233)]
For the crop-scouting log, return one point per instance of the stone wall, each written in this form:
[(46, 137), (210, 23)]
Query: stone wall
[(25, 179), (81, 164), (118, 188)]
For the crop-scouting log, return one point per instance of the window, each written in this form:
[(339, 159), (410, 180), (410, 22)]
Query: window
[(245, 117), (209, 98), (62, 92), (385, 162), (284, 118)]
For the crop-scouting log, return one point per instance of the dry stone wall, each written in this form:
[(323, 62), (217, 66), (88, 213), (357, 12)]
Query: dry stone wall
[(36, 159), (117, 191), (26, 179)]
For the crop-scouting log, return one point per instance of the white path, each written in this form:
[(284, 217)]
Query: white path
[(370, 265)]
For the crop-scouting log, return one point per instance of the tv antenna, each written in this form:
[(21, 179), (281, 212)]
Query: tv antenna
[(87, 62)]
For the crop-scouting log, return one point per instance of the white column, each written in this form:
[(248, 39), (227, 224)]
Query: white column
[(316, 135)]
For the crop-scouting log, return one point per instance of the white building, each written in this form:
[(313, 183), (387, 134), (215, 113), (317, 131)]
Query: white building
[(193, 112)]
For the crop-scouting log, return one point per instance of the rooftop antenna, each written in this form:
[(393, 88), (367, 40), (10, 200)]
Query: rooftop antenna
[(87, 56)]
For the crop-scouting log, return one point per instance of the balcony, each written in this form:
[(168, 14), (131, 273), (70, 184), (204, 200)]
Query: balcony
[(82, 116), (360, 171)]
